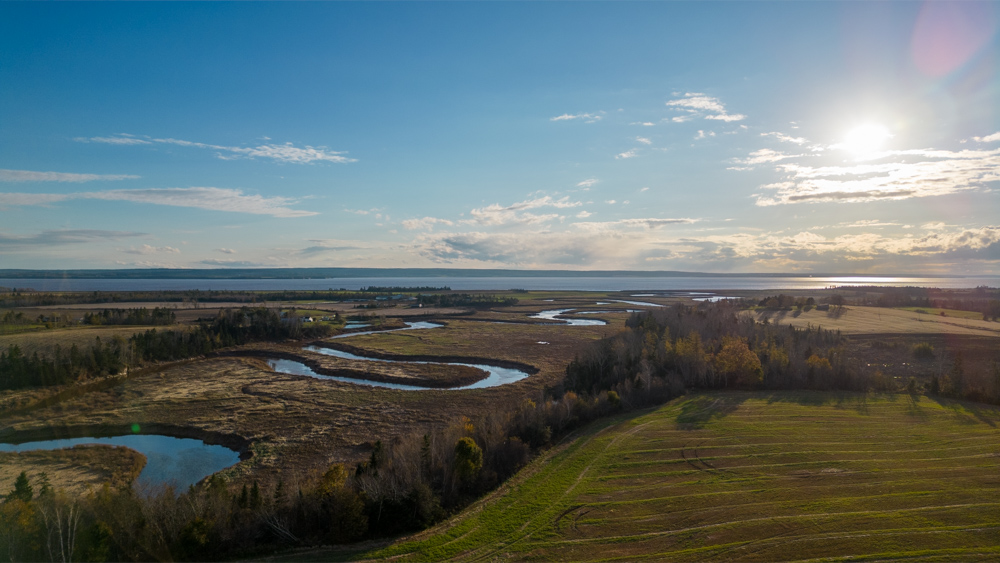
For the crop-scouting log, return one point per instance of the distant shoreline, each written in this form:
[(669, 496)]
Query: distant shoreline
[(328, 273)]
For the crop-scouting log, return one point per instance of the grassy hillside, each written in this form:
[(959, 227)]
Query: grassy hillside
[(749, 477)]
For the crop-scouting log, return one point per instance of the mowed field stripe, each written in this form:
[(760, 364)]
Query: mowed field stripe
[(895, 485)]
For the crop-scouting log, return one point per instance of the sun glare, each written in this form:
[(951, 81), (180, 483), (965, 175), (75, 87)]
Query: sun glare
[(866, 139)]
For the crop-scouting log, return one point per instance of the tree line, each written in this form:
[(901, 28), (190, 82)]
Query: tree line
[(25, 298), (231, 327), (475, 300), (138, 316)]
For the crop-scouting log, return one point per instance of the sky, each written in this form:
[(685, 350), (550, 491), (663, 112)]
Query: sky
[(713, 137)]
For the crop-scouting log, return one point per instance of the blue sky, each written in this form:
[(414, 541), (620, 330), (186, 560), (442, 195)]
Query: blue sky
[(723, 137)]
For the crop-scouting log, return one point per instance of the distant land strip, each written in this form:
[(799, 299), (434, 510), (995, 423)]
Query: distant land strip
[(323, 273)]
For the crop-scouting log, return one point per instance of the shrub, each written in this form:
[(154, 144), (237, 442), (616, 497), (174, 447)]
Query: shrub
[(923, 351)]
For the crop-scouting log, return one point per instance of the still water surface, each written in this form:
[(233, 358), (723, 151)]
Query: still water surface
[(179, 462)]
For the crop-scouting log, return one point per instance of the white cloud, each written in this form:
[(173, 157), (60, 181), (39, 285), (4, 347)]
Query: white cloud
[(643, 123), (645, 223), (147, 249), (643, 190), (901, 175), (214, 199), (704, 135), (587, 183), (282, 153), (32, 176), (700, 105), (61, 237), (631, 153), (864, 224), (610, 202), (989, 138), (588, 117), (644, 140), (764, 156), (14, 199), (727, 117), (583, 214), (232, 263), (225, 250), (628, 242), (123, 140), (784, 138), (495, 214), (425, 223)]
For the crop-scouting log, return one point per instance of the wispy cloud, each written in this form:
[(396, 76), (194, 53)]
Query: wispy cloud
[(700, 105), (785, 138), (61, 237), (587, 117), (495, 214), (645, 223), (122, 140), (989, 138), (222, 262), (587, 183), (32, 176), (225, 250), (900, 175), (147, 249), (631, 153), (425, 223), (867, 223), (374, 210), (764, 156), (644, 140), (214, 199), (287, 152), (323, 246)]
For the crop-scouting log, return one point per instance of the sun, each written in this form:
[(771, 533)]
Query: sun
[(865, 140)]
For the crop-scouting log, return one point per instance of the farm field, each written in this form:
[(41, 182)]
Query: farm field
[(880, 320), (944, 312), (783, 476), (44, 341)]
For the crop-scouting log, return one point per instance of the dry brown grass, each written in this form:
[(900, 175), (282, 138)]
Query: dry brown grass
[(301, 424), (73, 469)]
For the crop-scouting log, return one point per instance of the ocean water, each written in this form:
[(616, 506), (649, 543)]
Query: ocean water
[(582, 283)]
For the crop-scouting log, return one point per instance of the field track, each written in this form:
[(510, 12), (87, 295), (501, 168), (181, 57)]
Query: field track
[(747, 477)]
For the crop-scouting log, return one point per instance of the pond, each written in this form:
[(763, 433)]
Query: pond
[(179, 462)]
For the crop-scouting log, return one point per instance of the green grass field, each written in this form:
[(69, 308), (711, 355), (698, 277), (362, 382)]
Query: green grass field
[(947, 312), (746, 477)]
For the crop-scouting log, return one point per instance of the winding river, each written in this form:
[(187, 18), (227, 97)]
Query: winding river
[(496, 375), (553, 314)]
